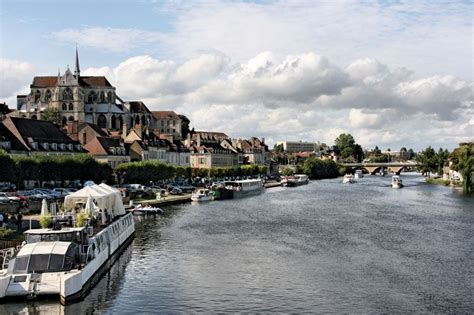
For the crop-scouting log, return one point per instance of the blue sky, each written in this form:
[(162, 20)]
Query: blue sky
[(245, 66)]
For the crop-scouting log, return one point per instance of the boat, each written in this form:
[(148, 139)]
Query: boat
[(348, 179), (295, 180), (238, 189), (202, 195), (397, 182), (146, 210), (67, 260), (358, 174)]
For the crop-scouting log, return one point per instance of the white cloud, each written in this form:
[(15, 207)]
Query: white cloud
[(15, 76)]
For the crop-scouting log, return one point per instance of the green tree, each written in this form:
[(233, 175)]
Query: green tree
[(51, 114), (348, 147), (463, 161), (7, 168), (278, 148), (441, 159), (427, 161)]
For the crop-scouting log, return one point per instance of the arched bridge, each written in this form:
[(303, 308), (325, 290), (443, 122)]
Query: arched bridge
[(372, 168)]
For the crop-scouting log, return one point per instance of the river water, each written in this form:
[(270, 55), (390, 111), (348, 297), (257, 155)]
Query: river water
[(324, 247)]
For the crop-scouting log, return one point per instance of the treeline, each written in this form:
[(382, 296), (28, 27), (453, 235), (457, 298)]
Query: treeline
[(145, 172), (316, 168), (52, 168)]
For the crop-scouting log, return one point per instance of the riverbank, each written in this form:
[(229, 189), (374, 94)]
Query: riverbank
[(440, 181)]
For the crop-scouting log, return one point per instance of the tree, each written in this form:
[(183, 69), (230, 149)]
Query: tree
[(441, 159), (348, 147), (377, 151), (463, 161), (278, 148), (184, 125), (344, 141), (7, 168), (427, 161), (51, 114)]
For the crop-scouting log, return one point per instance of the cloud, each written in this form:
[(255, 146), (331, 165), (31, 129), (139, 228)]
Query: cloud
[(117, 40), (15, 76)]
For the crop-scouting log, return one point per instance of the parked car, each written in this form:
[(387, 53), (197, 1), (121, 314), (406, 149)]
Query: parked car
[(41, 194), (176, 191), (9, 198), (60, 192)]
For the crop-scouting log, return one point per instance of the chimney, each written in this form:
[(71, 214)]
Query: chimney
[(72, 129)]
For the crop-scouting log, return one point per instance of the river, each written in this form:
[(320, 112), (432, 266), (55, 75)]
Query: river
[(323, 247)]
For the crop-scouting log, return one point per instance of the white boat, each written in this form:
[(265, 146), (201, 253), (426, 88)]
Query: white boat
[(348, 179), (295, 180), (67, 261), (202, 195), (358, 174), (397, 182), (146, 210)]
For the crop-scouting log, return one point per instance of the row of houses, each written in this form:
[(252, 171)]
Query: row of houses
[(26, 137)]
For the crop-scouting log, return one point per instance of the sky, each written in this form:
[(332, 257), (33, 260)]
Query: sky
[(392, 73)]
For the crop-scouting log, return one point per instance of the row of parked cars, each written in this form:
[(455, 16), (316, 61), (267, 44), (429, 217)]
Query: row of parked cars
[(34, 195)]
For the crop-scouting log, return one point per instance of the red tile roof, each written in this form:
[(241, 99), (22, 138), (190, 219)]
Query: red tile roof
[(50, 81), (163, 114)]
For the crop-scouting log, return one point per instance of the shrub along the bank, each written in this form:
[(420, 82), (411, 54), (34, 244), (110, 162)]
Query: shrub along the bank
[(58, 168), (151, 171), (318, 169)]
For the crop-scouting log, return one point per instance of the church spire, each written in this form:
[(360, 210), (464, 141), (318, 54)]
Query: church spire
[(77, 71)]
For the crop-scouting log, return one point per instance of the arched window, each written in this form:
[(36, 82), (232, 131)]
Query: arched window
[(34, 117), (137, 120), (48, 96), (113, 123), (64, 120), (37, 96), (64, 106), (67, 94), (109, 97), (71, 106), (102, 121), (92, 97), (143, 121), (121, 122), (102, 97), (70, 118)]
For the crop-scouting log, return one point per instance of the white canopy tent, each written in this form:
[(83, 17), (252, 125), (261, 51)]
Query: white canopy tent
[(105, 199)]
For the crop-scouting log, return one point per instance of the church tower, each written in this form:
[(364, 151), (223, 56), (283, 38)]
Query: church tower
[(77, 71)]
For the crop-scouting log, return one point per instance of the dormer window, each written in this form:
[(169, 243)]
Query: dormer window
[(71, 147), (54, 146), (78, 147), (45, 145), (34, 145), (5, 145), (62, 146), (112, 150)]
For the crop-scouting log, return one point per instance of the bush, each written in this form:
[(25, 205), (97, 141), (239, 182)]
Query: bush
[(6, 233), (318, 169), (81, 219)]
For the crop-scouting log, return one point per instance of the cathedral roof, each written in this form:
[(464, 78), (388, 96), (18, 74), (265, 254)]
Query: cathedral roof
[(52, 81), (138, 107)]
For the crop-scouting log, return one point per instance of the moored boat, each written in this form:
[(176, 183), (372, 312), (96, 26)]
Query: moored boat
[(295, 180), (239, 189), (67, 260), (348, 179), (146, 210), (202, 195), (397, 182)]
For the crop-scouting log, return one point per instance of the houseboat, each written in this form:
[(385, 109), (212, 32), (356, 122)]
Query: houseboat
[(396, 182), (67, 260), (202, 195), (238, 189), (295, 180)]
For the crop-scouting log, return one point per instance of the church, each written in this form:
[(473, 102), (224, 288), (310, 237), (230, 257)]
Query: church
[(90, 99)]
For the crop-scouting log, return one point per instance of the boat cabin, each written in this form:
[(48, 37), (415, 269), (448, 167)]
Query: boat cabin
[(76, 235)]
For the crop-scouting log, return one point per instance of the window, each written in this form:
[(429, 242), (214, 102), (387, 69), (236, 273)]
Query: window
[(102, 97), (20, 264), (110, 98), (113, 122), (70, 118), (174, 122), (71, 106), (120, 122), (64, 106), (143, 121), (48, 96), (34, 117), (91, 98), (102, 121), (38, 262), (56, 262), (162, 123), (67, 94), (37, 96)]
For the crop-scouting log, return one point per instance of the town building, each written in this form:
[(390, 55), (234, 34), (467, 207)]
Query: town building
[(211, 149), (24, 137), (108, 150), (168, 122), (299, 146), (254, 150)]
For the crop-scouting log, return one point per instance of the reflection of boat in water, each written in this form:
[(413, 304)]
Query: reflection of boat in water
[(295, 180), (397, 182), (358, 174), (146, 210), (238, 189), (67, 261), (348, 179), (202, 195)]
